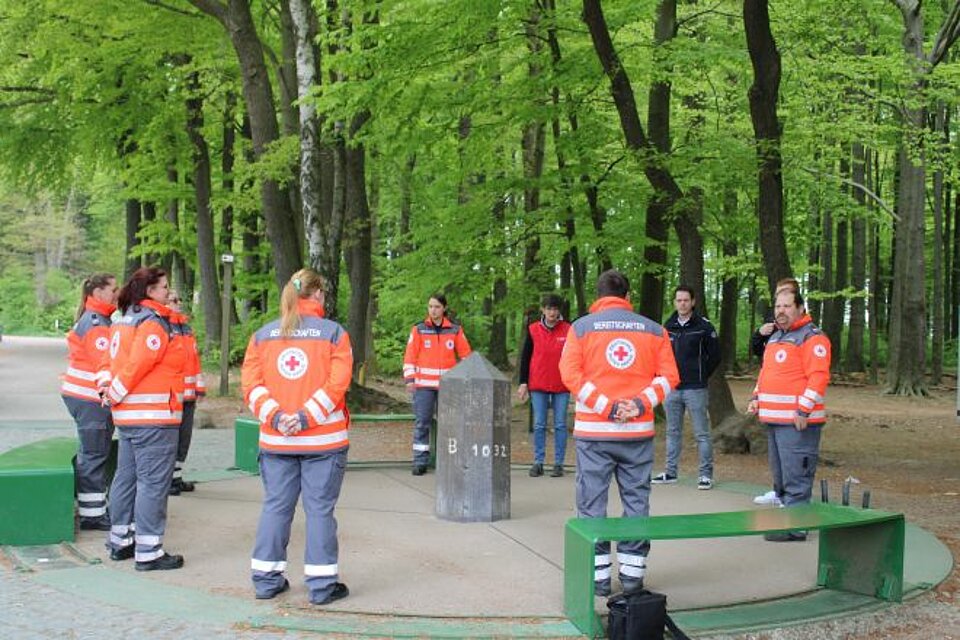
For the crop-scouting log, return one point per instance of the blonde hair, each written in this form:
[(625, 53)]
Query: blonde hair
[(302, 284)]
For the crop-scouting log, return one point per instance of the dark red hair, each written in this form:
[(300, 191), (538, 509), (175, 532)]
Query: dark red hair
[(136, 288)]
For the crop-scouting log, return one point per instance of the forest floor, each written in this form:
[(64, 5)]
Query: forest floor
[(906, 451)]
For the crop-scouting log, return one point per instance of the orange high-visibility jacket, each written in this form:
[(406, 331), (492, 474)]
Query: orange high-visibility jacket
[(193, 384), (147, 366), (795, 375), (88, 361), (308, 373), (614, 354), (432, 351)]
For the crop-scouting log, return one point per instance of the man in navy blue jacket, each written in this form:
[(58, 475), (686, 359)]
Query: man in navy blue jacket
[(697, 351)]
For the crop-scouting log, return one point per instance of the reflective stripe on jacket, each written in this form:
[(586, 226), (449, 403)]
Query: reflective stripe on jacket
[(147, 366), (307, 372), (795, 375), (88, 359), (614, 354), (433, 350)]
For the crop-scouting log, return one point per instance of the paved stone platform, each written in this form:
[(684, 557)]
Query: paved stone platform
[(410, 573)]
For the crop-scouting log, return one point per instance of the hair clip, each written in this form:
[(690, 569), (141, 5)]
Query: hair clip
[(296, 284)]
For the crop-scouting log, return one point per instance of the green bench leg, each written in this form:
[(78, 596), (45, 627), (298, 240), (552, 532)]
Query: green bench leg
[(866, 559), (578, 565)]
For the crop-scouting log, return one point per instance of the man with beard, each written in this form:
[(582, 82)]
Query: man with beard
[(788, 400)]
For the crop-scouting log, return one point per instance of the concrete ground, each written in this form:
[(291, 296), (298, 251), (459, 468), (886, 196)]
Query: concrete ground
[(410, 573)]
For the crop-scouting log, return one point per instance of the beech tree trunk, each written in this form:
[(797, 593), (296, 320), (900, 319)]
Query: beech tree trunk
[(360, 246), (227, 159), (236, 18), (173, 261), (658, 124), (206, 245), (666, 190), (938, 292), (132, 210), (537, 276), (729, 304), (858, 274), (763, 96), (732, 430)]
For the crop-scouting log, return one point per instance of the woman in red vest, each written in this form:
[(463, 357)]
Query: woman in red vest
[(88, 373), (295, 377), (540, 380)]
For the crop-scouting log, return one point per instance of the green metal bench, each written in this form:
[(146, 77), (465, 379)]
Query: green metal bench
[(37, 489), (861, 550), (246, 438)]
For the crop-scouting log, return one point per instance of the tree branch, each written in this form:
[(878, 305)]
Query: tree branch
[(870, 194), (947, 36), (14, 89), (213, 8), (906, 7), (25, 102), (710, 11), (162, 5)]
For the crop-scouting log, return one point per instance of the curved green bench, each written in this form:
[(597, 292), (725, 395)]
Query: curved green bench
[(37, 489), (861, 550)]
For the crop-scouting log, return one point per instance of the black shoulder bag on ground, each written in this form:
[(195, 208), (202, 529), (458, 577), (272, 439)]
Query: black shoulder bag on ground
[(640, 615)]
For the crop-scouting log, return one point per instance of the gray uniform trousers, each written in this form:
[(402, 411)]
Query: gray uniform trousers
[(95, 432), (793, 457), (186, 435), (424, 406), (138, 496), (631, 463), (318, 478)]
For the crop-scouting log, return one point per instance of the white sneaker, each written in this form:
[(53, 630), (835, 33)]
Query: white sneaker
[(769, 498)]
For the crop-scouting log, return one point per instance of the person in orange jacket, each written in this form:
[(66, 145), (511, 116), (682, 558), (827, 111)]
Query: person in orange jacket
[(432, 350), (88, 372), (619, 365), (295, 377), (788, 400), (193, 390), (146, 399)]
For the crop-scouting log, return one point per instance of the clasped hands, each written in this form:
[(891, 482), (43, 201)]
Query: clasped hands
[(288, 424), (626, 409)]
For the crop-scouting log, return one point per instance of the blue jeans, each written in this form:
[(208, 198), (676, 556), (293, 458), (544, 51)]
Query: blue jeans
[(695, 401), (541, 401)]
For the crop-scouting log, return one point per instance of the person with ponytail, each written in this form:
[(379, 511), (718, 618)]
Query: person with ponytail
[(432, 350), (146, 399), (295, 377), (193, 390), (88, 373)]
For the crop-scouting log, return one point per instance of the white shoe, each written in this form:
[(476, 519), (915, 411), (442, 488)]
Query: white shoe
[(769, 498)]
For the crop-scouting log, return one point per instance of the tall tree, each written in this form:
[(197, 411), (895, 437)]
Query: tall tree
[(858, 262), (202, 189), (537, 275), (667, 193), (236, 18), (658, 124), (764, 95), (905, 370)]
